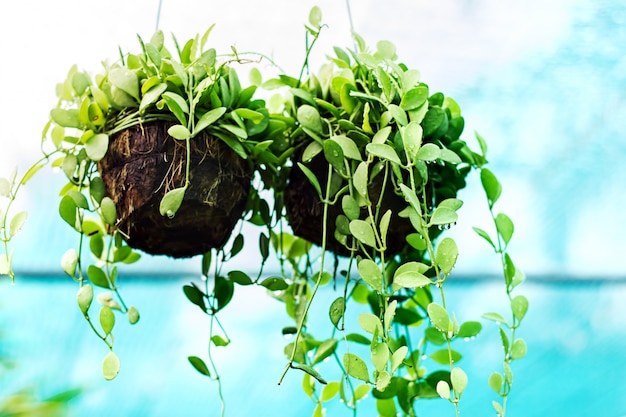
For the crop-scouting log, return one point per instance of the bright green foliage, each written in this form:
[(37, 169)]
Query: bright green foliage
[(393, 164)]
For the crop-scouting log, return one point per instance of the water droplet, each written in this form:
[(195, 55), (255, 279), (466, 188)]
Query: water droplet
[(424, 357)]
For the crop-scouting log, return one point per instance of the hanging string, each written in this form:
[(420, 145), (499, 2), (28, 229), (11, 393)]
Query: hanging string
[(158, 18), (351, 23)]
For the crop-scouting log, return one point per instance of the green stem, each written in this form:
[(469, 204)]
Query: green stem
[(317, 282)]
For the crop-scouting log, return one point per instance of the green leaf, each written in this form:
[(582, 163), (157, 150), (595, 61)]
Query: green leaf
[(177, 105), (495, 382), (398, 357), (67, 210), (356, 367), (519, 306), (443, 215), (171, 202), (371, 274), (126, 80), (17, 222), (482, 143), (410, 275), (398, 114), (370, 323), (315, 17), (386, 407), (110, 366), (5, 187), (240, 277), (80, 82), (449, 156), (97, 276), (434, 336), (151, 96), (324, 350), (84, 297), (179, 132), (416, 241), (336, 311), (66, 118), (219, 341), (208, 118), (361, 391), (309, 370), (414, 98), (498, 408), (480, 232), (108, 211), (96, 146), (350, 207), (505, 227), (275, 284), (495, 317), (439, 317), (383, 151), (334, 155), (384, 226), (412, 139), (411, 198), (312, 150), (360, 179), (363, 231), (443, 389), (519, 349), (491, 185), (469, 329), (446, 255), (133, 315), (442, 356), (196, 296), (349, 148), (380, 355), (358, 338), (382, 135), (428, 152), (223, 291), (330, 390), (107, 319), (459, 380), (312, 178), (199, 365), (69, 262), (309, 117)]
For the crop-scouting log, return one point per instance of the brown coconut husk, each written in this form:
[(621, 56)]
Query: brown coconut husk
[(143, 163), (305, 210)]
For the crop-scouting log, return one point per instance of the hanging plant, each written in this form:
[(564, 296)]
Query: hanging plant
[(378, 165), (159, 151), (353, 179)]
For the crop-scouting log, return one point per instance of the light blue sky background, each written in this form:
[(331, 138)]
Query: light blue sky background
[(543, 82)]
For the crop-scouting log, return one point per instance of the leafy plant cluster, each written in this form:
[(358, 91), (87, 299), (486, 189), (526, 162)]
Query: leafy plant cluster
[(382, 157), (195, 91)]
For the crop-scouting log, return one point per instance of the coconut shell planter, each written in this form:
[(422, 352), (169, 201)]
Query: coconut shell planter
[(305, 209), (143, 162)]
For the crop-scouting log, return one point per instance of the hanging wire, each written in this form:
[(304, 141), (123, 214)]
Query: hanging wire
[(351, 23), (158, 18)]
